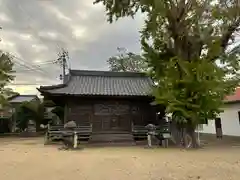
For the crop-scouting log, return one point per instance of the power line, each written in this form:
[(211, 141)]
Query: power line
[(20, 70), (37, 70), (27, 84), (43, 64), (46, 62), (32, 67)]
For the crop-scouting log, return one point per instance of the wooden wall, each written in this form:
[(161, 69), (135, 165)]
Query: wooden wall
[(100, 111)]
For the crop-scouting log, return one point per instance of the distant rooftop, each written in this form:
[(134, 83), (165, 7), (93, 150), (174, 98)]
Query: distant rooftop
[(22, 98), (235, 97)]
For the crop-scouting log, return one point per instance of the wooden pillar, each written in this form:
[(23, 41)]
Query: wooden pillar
[(14, 119), (66, 113)]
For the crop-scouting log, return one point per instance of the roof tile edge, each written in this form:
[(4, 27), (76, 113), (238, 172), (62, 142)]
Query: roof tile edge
[(106, 73)]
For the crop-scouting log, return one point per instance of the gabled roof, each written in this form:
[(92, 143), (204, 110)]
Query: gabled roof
[(102, 83), (22, 98)]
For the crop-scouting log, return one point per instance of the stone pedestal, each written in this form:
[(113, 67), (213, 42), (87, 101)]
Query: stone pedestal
[(31, 126)]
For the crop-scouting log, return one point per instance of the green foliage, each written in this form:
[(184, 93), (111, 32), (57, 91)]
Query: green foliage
[(127, 62), (6, 76), (59, 111), (34, 110), (184, 44), (23, 116), (198, 94)]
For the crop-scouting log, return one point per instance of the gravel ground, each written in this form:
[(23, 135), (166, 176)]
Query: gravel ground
[(28, 159)]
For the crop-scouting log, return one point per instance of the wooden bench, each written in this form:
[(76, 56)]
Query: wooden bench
[(139, 132), (163, 134), (84, 132), (56, 132)]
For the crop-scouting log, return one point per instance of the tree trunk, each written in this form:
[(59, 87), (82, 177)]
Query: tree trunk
[(176, 133), (184, 135), (188, 136), (190, 132)]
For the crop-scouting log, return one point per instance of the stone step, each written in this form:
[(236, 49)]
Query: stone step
[(111, 132), (112, 138), (110, 144)]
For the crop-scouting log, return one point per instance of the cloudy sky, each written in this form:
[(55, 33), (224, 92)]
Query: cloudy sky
[(34, 31)]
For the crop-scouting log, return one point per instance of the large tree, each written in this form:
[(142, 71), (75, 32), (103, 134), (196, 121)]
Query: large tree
[(6, 70), (127, 61), (186, 45)]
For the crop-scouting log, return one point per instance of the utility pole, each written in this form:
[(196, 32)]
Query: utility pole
[(0, 29), (62, 60), (64, 66)]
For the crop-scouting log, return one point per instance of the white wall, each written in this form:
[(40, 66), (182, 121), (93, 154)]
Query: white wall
[(229, 120), (209, 128)]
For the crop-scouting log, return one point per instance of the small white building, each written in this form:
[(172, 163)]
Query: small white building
[(229, 120)]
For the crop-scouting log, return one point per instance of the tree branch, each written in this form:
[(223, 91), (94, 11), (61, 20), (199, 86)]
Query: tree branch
[(230, 30), (225, 38)]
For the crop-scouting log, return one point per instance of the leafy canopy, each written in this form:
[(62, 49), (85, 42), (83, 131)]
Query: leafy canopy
[(6, 70), (185, 44), (127, 61)]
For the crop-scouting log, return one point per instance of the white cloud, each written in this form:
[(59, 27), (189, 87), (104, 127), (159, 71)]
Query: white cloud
[(25, 37), (4, 18), (41, 28), (79, 32), (49, 34), (38, 47), (54, 10), (36, 61), (6, 44), (82, 15)]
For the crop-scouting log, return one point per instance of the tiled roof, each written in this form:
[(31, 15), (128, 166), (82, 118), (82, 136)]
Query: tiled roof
[(103, 83), (22, 98)]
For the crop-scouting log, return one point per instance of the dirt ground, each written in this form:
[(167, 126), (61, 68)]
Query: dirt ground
[(29, 159)]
